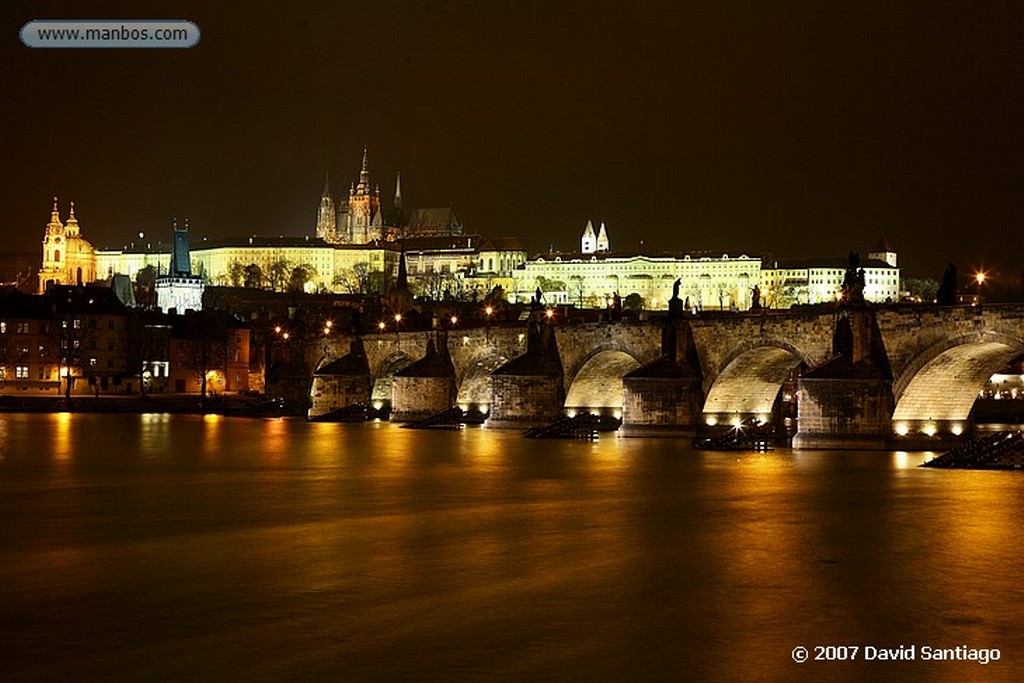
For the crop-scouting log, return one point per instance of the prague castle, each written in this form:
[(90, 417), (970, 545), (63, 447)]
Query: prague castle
[(361, 219), (358, 244)]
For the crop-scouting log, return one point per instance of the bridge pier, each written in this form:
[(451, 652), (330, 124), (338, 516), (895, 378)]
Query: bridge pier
[(341, 383), (426, 387), (843, 412), (664, 397), (847, 402), (529, 391)]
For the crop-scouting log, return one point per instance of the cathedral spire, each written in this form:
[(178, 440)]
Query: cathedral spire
[(364, 172), (602, 239), (327, 185), (398, 190)]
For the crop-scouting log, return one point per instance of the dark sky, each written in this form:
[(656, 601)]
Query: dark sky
[(799, 128)]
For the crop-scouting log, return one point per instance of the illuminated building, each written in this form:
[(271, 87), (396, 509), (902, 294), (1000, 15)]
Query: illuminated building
[(360, 218), (68, 258), (594, 275), (812, 281), (179, 289)]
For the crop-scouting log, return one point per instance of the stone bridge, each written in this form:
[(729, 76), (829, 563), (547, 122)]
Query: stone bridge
[(912, 382)]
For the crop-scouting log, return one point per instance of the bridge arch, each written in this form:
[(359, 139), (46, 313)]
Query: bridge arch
[(474, 381), (942, 382), (597, 381), (385, 372), (749, 378)]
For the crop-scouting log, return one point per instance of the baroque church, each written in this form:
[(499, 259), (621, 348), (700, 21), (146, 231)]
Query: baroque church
[(361, 218), (68, 258)]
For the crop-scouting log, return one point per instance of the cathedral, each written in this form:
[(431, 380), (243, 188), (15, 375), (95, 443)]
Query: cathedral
[(68, 259), (361, 218)]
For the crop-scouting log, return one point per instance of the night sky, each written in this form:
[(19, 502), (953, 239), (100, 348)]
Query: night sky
[(798, 128)]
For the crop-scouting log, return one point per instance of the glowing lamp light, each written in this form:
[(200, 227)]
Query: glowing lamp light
[(327, 329), (930, 429), (277, 329), (550, 313), (377, 405), (979, 277), (285, 335), (398, 317), (329, 324), (957, 429), (902, 429), (711, 421), (489, 310), (570, 413), (454, 319), (381, 325), (617, 414)]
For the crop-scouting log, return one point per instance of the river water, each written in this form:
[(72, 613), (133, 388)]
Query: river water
[(184, 548)]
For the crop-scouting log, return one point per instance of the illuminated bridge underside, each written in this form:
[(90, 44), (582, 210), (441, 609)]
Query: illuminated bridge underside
[(750, 383), (475, 389), (946, 387), (598, 384), (382, 385)]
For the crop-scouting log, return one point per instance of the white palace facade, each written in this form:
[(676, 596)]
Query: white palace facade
[(594, 275)]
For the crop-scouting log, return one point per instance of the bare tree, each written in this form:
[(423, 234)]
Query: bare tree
[(206, 340)]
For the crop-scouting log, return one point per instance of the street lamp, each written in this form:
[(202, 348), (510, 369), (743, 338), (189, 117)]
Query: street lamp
[(488, 311), (979, 280)]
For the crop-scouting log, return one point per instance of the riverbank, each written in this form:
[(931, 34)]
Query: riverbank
[(237, 405)]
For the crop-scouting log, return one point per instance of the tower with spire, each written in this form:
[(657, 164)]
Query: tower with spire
[(883, 251), (365, 222), (68, 258), (361, 217), (179, 289), (602, 239), (588, 243), (326, 219)]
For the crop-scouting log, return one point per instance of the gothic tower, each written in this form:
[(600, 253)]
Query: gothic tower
[(326, 225), (364, 220)]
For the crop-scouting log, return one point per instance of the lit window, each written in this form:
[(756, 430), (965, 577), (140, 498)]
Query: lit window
[(92, 362), (21, 372)]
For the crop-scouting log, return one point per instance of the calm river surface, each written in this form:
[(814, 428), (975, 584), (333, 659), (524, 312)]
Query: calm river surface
[(181, 548)]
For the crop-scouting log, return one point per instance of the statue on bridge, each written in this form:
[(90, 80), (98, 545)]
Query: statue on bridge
[(536, 302), (853, 283), (675, 305), (755, 298)]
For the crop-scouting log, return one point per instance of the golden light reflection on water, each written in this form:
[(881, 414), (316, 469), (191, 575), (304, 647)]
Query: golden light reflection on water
[(62, 437), (212, 435), (154, 431), (274, 440)]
